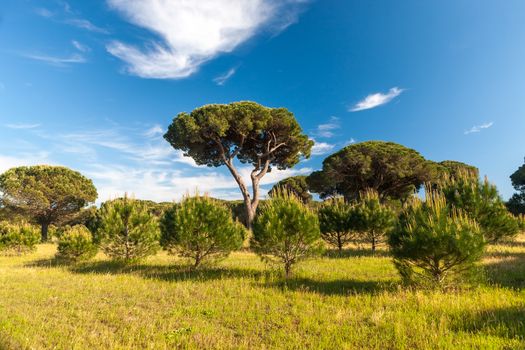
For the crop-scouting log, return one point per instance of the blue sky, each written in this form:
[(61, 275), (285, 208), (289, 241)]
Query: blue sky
[(92, 85)]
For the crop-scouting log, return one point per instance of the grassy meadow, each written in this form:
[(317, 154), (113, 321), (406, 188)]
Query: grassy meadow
[(349, 302)]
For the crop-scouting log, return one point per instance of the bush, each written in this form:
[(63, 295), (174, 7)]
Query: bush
[(336, 222), (373, 219), (202, 229), (18, 238), (128, 231), (434, 245), (481, 201), (76, 244), (286, 230)]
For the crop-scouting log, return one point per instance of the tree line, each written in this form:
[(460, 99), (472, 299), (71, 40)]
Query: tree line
[(369, 191)]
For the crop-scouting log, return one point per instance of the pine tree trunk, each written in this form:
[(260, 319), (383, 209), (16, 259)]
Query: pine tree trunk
[(44, 231), (373, 243)]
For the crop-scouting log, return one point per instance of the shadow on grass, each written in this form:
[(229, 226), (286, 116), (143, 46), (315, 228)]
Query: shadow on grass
[(355, 252), (337, 287), (159, 272), (505, 323), (507, 271)]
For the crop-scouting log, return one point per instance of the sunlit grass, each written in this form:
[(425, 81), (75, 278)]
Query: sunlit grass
[(349, 302)]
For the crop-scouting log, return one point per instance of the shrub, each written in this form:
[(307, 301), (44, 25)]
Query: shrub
[(18, 238), (336, 222), (373, 219), (76, 244), (128, 231), (433, 244), (200, 228), (286, 230), (481, 201)]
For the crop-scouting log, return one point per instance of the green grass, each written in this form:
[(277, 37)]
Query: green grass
[(349, 302)]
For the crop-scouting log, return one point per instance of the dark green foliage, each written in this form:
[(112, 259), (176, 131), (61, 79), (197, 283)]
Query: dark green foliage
[(128, 231), (202, 229), (286, 231), (372, 219), (435, 245), (336, 221), (481, 201), (217, 134), (46, 194), (76, 244), (294, 184), (516, 203), (392, 170), (18, 238)]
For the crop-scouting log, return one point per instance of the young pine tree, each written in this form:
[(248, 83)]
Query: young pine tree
[(18, 238), (286, 231), (76, 244), (372, 218), (336, 222), (482, 202), (128, 230), (434, 244), (202, 229)]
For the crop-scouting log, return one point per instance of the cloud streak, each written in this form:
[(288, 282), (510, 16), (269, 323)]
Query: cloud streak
[(478, 128), (56, 60), (223, 78), (21, 126), (190, 33), (376, 100)]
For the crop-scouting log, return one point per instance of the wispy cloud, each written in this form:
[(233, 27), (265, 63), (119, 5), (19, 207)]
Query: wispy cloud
[(43, 12), (327, 129), (22, 126), (223, 78), (376, 99), (57, 60), (87, 25), (193, 32), (320, 148), (80, 47), (478, 128)]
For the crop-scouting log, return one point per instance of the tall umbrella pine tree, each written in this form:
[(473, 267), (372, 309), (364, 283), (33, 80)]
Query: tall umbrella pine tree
[(218, 134), (46, 194)]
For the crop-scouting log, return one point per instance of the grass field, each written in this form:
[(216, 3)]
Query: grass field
[(350, 302)]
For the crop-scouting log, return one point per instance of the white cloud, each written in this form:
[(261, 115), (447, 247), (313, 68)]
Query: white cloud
[(80, 47), (320, 148), (155, 131), (327, 129), (22, 126), (193, 32), (57, 61), (87, 25), (24, 159), (223, 78), (478, 128), (377, 99)]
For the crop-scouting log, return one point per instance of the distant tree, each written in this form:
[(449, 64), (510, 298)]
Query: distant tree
[(392, 170), (482, 202), (434, 244), (336, 221), (286, 231), (217, 134), (202, 229), (295, 184), (456, 169), (46, 194), (516, 203), (373, 219), (128, 231)]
